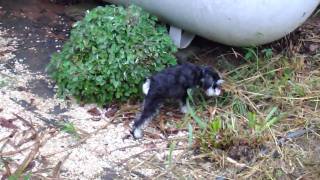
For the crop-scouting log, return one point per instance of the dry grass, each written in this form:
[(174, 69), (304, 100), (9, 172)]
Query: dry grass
[(259, 110), (265, 126)]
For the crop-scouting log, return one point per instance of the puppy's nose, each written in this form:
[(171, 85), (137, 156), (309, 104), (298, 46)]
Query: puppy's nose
[(219, 82)]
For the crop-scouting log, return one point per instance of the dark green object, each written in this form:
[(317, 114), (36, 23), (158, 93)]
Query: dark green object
[(109, 54)]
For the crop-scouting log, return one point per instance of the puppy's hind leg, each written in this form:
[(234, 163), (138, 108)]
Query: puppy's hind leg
[(149, 110), (183, 104)]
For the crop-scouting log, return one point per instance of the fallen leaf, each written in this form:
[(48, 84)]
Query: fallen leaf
[(128, 136), (150, 145), (171, 131), (127, 124), (152, 135), (7, 123), (162, 125), (44, 161), (32, 101), (94, 112), (111, 112), (21, 88)]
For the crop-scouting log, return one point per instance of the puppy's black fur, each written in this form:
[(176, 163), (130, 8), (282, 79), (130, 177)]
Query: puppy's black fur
[(173, 83)]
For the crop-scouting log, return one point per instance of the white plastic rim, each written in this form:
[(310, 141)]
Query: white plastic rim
[(232, 22)]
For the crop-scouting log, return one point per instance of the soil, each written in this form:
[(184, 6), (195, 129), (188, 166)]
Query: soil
[(34, 135), (33, 120)]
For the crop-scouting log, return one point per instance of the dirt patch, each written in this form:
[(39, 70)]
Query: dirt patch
[(47, 136), (51, 138)]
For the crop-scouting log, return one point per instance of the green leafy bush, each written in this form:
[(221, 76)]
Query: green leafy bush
[(109, 54)]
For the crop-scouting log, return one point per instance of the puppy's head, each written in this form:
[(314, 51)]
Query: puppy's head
[(211, 82)]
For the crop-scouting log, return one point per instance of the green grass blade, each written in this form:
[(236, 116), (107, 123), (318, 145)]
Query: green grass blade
[(190, 97), (190, 135), (193, 114), (215, 125), (171, 148), (271, 113), (252, 118)]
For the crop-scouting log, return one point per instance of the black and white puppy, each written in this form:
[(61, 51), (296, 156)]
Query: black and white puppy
[(173, 83)]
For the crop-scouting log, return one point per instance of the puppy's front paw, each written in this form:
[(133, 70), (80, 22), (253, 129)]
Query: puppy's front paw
[(137, 133)]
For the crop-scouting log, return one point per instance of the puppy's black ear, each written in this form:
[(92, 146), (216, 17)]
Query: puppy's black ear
[(204, 70)]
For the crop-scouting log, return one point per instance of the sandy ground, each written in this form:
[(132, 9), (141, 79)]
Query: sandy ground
[(36, 127), (32, 138), (29, 120)]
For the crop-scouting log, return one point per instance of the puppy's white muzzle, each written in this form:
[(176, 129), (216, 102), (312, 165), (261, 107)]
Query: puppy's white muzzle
[(213, 92), (219, 82), (217, 91)]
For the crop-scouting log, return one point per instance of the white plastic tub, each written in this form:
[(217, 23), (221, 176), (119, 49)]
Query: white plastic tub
[(231, 22)]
